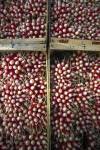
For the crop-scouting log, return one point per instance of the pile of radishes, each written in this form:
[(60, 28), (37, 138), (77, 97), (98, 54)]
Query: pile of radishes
[(75, 19), (22, 18), (75, 108), (23, 115)]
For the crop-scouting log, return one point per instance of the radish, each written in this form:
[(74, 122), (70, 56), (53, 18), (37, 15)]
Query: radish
[(76, 20), (22, 19), (22, 101), (75, 106)]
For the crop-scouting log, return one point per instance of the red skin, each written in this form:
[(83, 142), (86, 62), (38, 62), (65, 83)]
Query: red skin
[(19, 12), (19, 97), (84, 101), (83, 16)]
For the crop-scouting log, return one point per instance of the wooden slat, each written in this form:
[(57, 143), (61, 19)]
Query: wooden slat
[(38, 47), (48, 74), (29, 40), (38, 44), (71, 44), (48, 100)]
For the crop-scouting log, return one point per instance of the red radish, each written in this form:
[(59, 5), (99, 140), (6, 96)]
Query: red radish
[(22, 101), (22, 19), (77, 19), (75, 107)]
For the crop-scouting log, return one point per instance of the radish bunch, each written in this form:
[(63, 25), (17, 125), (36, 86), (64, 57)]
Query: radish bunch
[(23, 115), (75, 19), (75, 109), (22, 18)]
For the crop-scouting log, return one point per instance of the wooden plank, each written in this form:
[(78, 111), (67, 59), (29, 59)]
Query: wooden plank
[(74, 41), (48, 100), (23, 44), (5, 41), (29, 40), (17, 47), (48, 74), (71, 44)]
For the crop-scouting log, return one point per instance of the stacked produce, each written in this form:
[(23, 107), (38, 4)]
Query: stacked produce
[(75, 109), (22, 18), (23, 115), (75, 19)]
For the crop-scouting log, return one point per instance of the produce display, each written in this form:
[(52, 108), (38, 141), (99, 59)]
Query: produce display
[(22, 18), (74, 76), (75, 108), (75, 19), (23, 113)]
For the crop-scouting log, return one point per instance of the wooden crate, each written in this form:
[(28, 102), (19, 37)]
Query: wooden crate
[(28, 46), (73, 44)]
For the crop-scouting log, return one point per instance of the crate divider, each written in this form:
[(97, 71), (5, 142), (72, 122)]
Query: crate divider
[(48, 100), (37, 44), (74, 44)]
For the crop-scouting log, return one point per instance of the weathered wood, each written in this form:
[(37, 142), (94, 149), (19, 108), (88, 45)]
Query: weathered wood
[(38, 44), (71, 44), (48, 100)]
